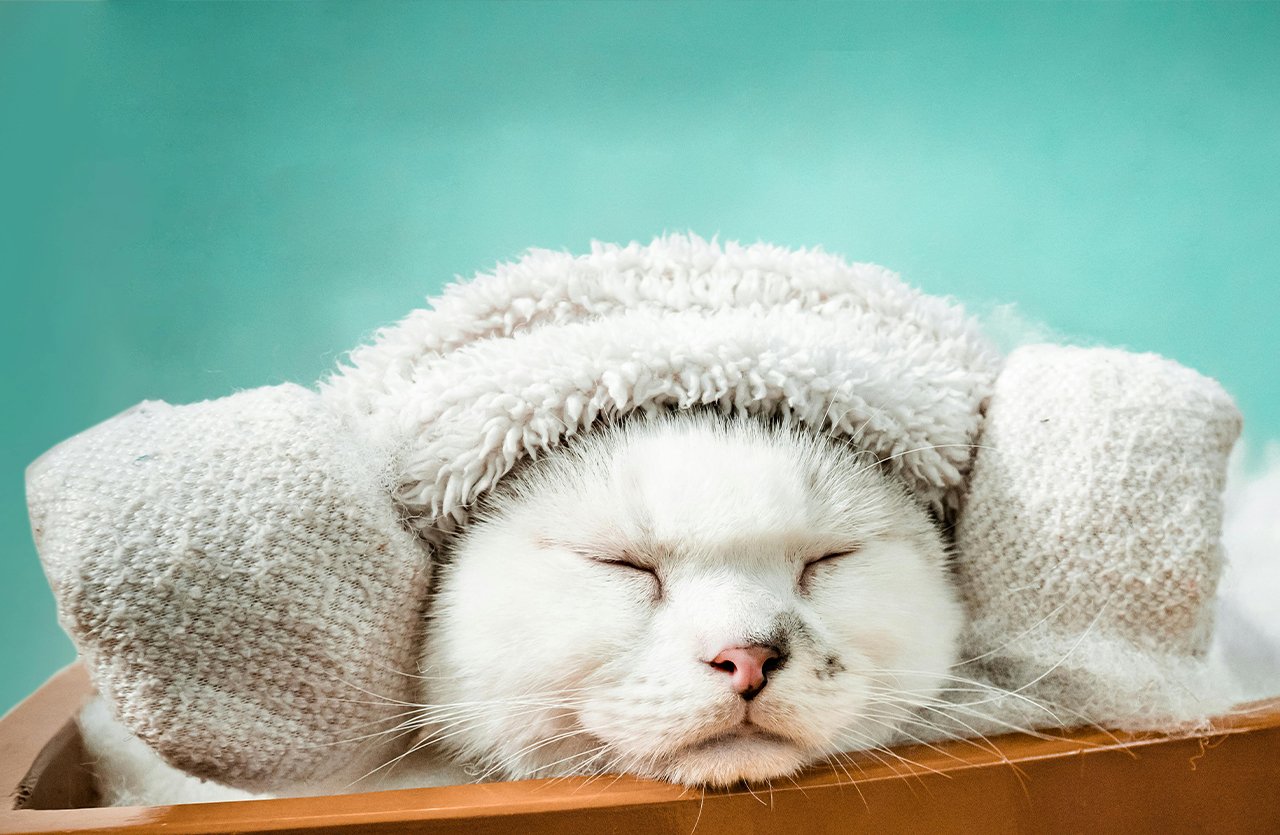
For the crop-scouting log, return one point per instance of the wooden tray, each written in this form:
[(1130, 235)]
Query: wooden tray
[(1083, 781)]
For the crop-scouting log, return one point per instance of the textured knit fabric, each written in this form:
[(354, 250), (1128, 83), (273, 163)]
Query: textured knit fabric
[(236, 580), (237, 573), (1090, 538)]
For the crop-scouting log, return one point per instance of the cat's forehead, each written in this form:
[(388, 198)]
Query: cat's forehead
[(703, 489), (694, 482), (715, 487)]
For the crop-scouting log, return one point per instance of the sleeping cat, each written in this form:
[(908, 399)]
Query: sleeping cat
[(688, 598)]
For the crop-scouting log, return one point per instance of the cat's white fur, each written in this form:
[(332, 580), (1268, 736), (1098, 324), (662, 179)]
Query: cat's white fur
[(547, 654), (575, 664)]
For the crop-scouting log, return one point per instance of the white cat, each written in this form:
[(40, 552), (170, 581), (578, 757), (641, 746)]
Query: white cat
[(690, 598)]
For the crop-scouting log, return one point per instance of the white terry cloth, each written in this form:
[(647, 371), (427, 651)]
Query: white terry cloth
[(513, 362), (244, 577)]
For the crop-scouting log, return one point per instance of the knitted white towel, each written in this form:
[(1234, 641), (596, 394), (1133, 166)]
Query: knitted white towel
[(236, 579), (237, 573), (1089, 545)]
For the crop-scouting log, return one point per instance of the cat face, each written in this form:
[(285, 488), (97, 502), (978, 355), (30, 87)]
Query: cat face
[(691, 599)]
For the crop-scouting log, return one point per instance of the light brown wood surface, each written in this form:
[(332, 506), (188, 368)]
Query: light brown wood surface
[(1085, 781)]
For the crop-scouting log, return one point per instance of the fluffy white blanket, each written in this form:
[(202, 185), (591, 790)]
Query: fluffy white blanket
[(231, 570)]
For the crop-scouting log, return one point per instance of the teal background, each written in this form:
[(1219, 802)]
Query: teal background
[(196, 199)]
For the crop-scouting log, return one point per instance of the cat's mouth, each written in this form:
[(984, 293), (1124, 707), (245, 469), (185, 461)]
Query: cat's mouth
[(743, 752), (740, 735)]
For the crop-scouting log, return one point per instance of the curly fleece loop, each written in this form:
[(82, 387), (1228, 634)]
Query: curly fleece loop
[(511, 363), (236, 573)]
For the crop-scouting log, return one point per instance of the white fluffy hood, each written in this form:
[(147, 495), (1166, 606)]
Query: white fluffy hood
[(511, 363)]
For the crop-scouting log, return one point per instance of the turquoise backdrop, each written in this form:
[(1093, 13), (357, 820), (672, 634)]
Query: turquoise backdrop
[(196, 199)]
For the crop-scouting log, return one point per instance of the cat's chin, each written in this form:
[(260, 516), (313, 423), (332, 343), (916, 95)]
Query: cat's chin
[(733, 758)]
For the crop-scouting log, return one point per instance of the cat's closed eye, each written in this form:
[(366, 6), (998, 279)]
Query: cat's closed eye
[(811, 567), (630, 566), (617, 562)]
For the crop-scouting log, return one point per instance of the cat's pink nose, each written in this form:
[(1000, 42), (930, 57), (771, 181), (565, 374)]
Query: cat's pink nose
[(748, 667)]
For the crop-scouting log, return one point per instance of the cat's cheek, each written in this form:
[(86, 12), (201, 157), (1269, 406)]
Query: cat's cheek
[(896, 617), (600, 612), (894, 605)]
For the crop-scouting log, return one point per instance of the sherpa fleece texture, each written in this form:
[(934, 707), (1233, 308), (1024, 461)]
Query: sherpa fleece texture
[(237, 573), (513, 362)]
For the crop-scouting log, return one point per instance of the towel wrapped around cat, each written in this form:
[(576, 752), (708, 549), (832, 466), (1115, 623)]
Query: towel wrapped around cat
[(233, 571)]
